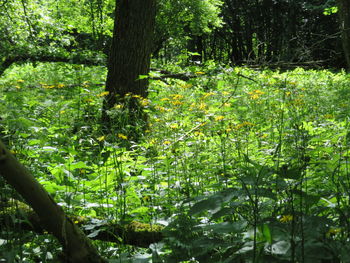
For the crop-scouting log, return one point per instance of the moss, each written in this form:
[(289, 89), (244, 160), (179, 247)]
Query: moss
[(143, 227)]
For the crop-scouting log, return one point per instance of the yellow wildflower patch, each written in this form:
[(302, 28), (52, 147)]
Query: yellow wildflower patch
[(177, 96), (198, 133), (101, 139), (160, 108), (286, 218), (202, 106), (102, 94), (219, 118), (208, 94), (174, 126), (89, 100), (122, 136), (186, 86), (144, 102), (255, 94), (177, 102), (244, 124)]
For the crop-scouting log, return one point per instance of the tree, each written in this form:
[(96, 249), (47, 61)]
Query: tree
[(76, 246), (344, 17), (129, 59)]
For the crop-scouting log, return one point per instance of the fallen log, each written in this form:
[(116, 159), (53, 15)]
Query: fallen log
[(77, 247), (16, 215)]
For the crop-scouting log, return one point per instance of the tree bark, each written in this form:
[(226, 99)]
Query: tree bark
[(76, 246), (344, 19), (129, 57)]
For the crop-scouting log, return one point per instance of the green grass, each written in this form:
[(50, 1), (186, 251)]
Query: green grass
[(272, 147)]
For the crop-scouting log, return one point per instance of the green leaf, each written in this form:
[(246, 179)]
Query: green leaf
[(280, 247), (78, 165), (212, 204), (267, 233), (227, 227)]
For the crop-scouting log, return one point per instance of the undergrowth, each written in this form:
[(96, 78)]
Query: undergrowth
[(240, 165)]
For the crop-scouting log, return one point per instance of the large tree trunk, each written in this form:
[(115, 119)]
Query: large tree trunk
[(344, 17), (76, 246), (129, 58)]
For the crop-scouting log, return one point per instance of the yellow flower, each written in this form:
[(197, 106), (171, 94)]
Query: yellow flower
[(200, 73), (208, 94), (186, 86), (118, 106), (160, 108), (166, 142), (174, 126), (102, 94), (122, 136), (219, 118), (144, 102), (48, 86), (177, 96), (244, 124), (100, 139), (176, 102), (62, 111), (20, 81), (255, 94), (164, 99), (286, 218), (60, 85), (198, 133), (202, 106)]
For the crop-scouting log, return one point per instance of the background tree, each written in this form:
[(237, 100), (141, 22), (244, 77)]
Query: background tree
[(344, 17)]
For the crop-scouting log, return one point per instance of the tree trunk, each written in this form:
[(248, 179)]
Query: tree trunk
[(76, 246), (129, 58), (344, 18)]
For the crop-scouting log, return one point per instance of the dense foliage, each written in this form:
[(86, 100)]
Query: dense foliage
[(238, 164), (242, 152), (257, 32)]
